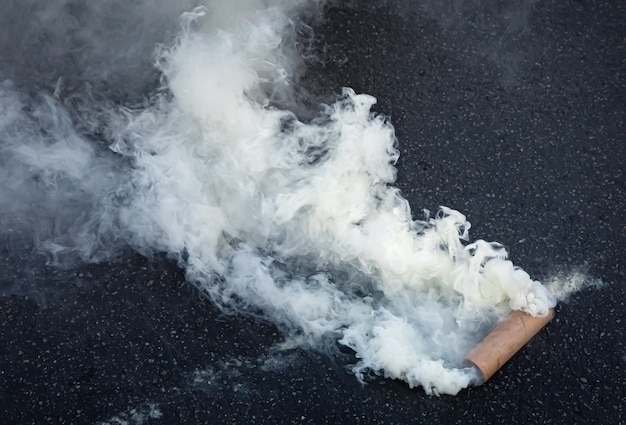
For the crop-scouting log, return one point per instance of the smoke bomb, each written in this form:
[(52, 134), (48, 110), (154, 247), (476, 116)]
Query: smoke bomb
[(499, 345)]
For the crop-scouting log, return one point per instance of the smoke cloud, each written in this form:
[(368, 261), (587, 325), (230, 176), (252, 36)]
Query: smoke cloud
[(122, 133)]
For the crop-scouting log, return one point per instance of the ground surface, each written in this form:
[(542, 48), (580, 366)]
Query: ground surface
[(513, 115)]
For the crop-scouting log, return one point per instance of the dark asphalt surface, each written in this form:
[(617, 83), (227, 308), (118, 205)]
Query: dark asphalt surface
[(514, 115)]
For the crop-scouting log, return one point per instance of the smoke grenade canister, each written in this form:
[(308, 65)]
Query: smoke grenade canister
[(499, 345)]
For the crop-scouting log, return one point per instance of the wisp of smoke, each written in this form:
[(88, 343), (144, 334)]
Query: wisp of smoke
[(296, 222)]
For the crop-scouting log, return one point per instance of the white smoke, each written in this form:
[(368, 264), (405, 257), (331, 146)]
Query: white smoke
[(296, 222), (54, 182)]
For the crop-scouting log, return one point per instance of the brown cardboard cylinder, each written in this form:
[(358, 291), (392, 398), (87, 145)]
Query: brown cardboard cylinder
[(499, 345)]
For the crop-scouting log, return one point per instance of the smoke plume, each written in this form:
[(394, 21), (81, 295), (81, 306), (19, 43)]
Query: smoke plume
[(176, 135)]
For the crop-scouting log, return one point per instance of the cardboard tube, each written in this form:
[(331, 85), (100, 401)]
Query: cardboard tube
[(495, 349)]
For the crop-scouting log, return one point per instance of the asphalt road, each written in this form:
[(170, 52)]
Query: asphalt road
[(514, 115)]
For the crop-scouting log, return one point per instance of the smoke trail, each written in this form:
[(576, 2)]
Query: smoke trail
[(296, 222), (47, 167), (64, 65)]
